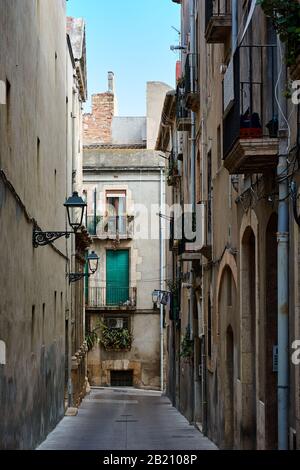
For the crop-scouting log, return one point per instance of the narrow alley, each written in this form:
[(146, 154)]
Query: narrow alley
[(130, 420), (149, 228)]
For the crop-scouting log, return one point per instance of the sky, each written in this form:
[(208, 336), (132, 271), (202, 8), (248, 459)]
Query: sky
[(132, 38)]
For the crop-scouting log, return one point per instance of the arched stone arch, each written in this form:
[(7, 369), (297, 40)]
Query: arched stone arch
[(228, 334), (249, 316), (228, 262)]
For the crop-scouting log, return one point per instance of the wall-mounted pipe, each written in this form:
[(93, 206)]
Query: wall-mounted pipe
[(283, 266), (234, 12)]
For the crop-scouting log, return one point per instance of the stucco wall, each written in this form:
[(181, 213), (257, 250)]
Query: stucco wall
[(156, 92), (33, 158)]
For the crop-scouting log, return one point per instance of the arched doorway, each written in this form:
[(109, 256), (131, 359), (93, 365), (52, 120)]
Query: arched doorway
[(248, 340), (228, 337), (270, 339)]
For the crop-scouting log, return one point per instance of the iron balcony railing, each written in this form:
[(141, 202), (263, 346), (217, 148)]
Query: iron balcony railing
[(110, 227), (254, 112), (216, 8), (110, 296)]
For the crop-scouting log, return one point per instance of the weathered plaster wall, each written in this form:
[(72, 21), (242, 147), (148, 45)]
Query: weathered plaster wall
[(33, 159), (156, 92), (143, 358)]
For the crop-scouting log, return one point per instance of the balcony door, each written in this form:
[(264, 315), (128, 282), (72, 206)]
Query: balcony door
[(116, 211), (117, 277)]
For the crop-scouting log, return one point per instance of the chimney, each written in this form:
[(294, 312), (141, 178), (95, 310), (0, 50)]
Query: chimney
[(111, 82)]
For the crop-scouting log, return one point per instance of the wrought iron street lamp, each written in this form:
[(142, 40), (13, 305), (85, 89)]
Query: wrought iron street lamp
[(155, 296), (160, 296), (93, 261), (75, 209)]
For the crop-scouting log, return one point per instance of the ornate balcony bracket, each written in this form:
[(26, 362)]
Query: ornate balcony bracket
[(40, 238), (74, 277)]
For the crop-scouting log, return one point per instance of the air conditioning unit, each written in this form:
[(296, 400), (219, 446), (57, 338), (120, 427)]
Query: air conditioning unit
[(202, 244), (116, 323)]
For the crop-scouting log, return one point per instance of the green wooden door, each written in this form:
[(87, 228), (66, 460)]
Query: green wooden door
[(117, 277)]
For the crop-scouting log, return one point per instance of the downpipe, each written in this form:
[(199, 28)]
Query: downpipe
[(193, 183), (283, 267), (161, 261)]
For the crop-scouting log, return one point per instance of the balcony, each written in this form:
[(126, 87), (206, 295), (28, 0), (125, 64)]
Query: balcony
[(218, 21), (173, 172), (111, 298), (183, 118), (110, 228), (250, 123), (192, 95), (203, 242)]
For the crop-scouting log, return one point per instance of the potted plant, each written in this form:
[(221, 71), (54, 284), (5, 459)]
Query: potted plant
[(115, 339)]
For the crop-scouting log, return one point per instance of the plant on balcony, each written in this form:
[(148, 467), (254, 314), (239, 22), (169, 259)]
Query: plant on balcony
[(117, 339), (285, 15), (187, 346), (92, 338)]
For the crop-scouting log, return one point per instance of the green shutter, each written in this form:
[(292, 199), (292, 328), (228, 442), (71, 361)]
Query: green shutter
[(117, 277)]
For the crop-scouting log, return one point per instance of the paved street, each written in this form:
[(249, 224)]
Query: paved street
[(120, 419)]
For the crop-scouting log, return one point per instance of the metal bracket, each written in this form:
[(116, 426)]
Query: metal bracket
[(40, 238), (74, 277)]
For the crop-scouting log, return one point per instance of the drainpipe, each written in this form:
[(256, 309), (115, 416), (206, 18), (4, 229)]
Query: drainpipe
[(234, 33), (193, 115), (161, 262), (283, 264), (193, 174)]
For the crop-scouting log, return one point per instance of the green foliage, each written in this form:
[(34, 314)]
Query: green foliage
[(187, 346), (173, 286), (285, 15), (115, 338), (111, 338), (91, 339)]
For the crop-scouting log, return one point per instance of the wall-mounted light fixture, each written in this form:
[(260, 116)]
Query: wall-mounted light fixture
[(93, 261), (75, 208), (160, 296)]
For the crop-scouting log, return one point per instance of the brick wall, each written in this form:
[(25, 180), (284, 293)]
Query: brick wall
[(97, 124)]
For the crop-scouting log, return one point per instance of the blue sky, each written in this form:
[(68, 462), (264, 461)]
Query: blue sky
[(132, 38)]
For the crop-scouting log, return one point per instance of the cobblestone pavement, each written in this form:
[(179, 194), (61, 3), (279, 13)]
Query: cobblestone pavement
[(126, 419)]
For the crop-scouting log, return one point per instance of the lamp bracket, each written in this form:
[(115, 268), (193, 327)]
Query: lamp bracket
[(40, 238), (74, 277)]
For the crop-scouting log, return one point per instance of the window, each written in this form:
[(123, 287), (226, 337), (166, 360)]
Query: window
[(209, 198), (219, 147), (116, 211)]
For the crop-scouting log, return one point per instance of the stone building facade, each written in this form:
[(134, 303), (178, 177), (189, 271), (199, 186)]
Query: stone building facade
[(226, 135), (35, 180), (122, 181), (76, 365)]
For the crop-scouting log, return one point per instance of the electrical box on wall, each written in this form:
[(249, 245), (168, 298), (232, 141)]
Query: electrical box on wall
[(2, 92), (2, 353)]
